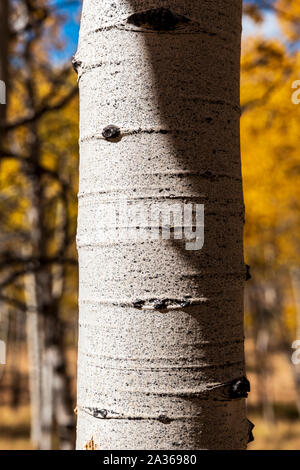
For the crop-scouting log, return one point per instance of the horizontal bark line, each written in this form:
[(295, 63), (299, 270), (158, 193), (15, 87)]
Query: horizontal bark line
[(132, 242), (184, 173), (178, 360), (83, 70), (176, 275), (207, 175), (193, 28), (196, 344), (166, 197), (170, 368), (159, 368), (92, 246), (168, 193), (181, 173), (146, 228), (221, 365), (125, 132), (162, 419), (156, 372), (206, 301), (231, 276), (129, 304), (221, 392)]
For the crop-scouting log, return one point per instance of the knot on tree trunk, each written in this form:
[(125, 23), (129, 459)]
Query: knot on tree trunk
[(158, 19)]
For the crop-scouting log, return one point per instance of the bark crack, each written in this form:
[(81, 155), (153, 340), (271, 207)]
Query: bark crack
[(156, 304), (217, 392)]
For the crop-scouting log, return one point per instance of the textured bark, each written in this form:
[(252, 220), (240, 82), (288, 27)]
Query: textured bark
[(164, 377)]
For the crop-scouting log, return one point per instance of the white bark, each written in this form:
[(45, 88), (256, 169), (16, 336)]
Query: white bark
[(295, 282), (62, 399), (34, 355), (47, 399), (40, 370), (4, 9), (160, 378), (4, 328)]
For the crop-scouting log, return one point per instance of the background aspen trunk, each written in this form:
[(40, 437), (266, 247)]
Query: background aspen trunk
[(63, 402), (34, 357), (161, 328), (295, 282), (3, 51), (43, 304)]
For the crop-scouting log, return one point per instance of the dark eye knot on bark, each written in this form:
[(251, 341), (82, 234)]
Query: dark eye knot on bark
[(239, 388), (158, 19), (111, 132)]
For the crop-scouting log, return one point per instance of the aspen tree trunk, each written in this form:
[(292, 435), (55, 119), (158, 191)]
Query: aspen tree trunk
[(41, 280), (3, 39), (62, 394), (3, 50), (4, 329), (161, 354), (34, 354), (295, 281), (49, 372)]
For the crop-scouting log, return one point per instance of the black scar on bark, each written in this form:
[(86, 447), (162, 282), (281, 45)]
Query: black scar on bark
[(251, 426), (162, 304), (164, 419), (239, 388), (158, 19), (75, 64), (138, 303), (248, 274), (111, 132), (159, 304), (102, 413), (185, 303)]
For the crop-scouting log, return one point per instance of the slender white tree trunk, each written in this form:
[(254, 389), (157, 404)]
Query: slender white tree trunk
[(161, 355), (4, 329), (4, 4), (295, 281), (41, 365), (62, 397), (34, 357)]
